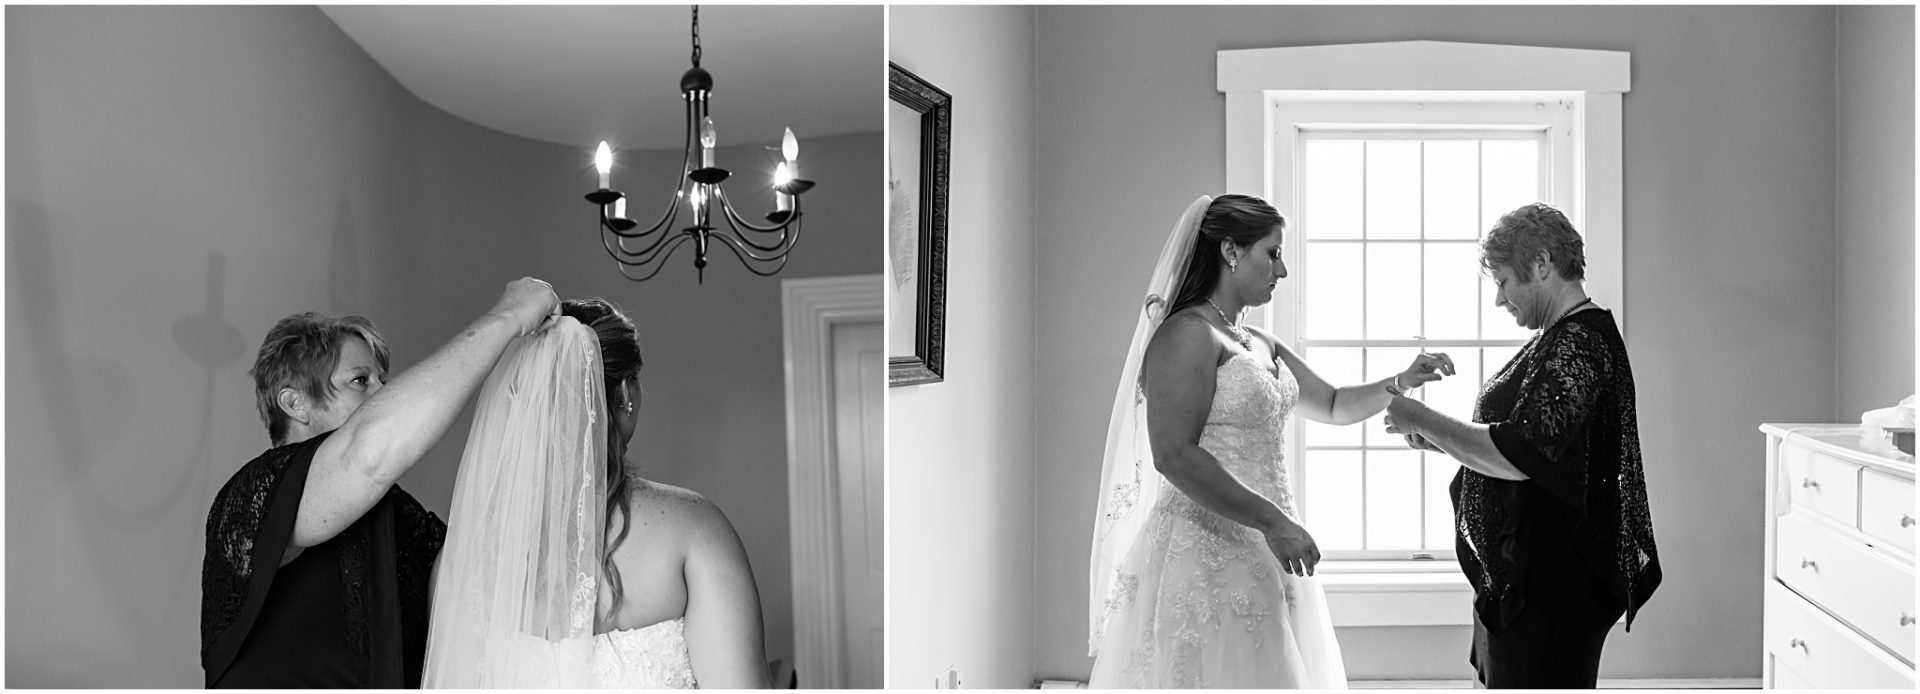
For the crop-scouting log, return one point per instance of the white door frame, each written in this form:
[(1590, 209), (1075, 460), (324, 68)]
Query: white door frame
[(811, 308)]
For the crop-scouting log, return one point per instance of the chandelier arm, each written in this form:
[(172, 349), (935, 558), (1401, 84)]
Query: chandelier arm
[(780, 261), (658, 258), (618, 247), (784, 242), (780, 249), (666, 222), (656, 270), (738, 221)]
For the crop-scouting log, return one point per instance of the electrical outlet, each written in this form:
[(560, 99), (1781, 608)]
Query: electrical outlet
[(948, 680)]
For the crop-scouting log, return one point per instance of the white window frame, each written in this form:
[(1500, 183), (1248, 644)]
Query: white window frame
[(1257, 81)]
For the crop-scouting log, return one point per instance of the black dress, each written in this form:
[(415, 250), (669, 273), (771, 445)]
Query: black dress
[(1555, 559), (348, 612)]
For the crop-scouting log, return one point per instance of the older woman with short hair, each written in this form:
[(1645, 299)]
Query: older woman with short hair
[(317, 565), (1550, 503)]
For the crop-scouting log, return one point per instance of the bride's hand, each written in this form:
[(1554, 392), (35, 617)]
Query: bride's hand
[(1294, 547), (1426, 368)]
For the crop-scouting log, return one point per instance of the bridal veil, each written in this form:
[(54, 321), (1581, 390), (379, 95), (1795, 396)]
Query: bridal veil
[(1129, 484), (517, 583)]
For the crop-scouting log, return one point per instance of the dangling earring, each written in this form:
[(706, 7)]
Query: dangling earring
[(1233, 265)]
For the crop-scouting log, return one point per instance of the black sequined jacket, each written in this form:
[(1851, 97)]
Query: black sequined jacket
[(1562, 411), (386, 561)]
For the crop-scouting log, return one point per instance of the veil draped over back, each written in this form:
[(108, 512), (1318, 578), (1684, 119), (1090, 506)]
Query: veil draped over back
[(518, 581), (1129, 484)]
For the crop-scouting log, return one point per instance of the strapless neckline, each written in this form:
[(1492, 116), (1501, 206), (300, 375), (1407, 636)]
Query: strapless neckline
[(1254, 362), (679, 622)]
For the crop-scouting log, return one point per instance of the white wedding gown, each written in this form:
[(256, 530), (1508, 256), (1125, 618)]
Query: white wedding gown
[(651, 657), (1200, 601)]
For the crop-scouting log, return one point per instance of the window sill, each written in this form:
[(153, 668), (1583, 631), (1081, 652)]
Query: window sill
[(1396, 594)]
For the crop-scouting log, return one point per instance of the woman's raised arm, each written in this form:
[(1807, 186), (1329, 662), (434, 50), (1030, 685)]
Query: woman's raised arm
[(355, 466)]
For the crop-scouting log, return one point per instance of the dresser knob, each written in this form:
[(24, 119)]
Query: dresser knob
[(1808, 483), (1906, 521), (1905, 619), (1809, 564), (1797, 643)]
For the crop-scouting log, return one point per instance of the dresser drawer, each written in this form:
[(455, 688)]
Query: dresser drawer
[(1886, 508), (1860, 585), (1828, 485), (1822, 652), (1784, 677)]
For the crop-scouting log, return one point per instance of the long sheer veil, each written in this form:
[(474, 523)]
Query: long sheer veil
[(1129, 485), (517, 582)]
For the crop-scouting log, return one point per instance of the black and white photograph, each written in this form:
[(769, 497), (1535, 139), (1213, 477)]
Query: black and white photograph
[(445, 346), (1426, 347)]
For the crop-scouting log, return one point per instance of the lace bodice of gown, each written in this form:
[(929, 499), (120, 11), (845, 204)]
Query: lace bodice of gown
[(651, 657), (1245, 432)]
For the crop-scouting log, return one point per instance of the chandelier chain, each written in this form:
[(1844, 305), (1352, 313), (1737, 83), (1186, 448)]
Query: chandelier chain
[(696, 36)]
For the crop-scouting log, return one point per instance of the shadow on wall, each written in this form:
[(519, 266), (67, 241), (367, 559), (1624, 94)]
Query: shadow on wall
[(343, 266), (82, 393)]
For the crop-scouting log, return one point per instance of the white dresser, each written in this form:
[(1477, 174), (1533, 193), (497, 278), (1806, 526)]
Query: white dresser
[(1839, 562)]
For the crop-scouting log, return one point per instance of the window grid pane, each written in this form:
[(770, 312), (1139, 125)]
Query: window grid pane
[(1391, 244)]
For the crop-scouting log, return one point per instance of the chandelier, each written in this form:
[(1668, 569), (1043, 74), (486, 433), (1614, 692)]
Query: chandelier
[(761, 249)]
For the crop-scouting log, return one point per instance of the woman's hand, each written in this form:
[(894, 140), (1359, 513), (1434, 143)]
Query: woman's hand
[(1426, 368), (1294, 547), (528, 305), (1403, 417)]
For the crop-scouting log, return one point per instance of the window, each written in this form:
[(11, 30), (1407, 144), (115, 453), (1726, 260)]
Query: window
[(1391, 200)]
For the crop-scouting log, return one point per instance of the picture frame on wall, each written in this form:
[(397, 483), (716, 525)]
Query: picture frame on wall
[(919, 132)]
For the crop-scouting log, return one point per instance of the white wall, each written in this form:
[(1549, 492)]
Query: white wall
[(1874, 182), (180, 178), (960, 452), (177, 180), (1729, 183)]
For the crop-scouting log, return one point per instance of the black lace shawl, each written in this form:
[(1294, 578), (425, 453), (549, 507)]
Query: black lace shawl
[(1562, 411), (386, 561)]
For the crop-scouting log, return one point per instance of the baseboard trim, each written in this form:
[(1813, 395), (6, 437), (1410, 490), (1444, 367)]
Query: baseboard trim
[(1679, 683)]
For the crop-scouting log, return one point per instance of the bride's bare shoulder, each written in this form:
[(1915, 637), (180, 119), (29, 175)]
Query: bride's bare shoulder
[(690, 513)]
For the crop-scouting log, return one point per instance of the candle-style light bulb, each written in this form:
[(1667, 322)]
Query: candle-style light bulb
[(790, 146), (782, 202), (707, 140), (603, 162)]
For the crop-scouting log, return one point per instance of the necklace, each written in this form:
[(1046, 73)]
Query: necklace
[(1239, 334), (1563, 314)]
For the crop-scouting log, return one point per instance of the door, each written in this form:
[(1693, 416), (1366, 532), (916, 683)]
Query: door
[(859, 385)]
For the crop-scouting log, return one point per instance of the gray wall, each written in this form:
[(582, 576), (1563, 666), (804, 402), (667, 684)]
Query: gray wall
[(180, 178), (1874, 182), (1730, 197), (960, 453)]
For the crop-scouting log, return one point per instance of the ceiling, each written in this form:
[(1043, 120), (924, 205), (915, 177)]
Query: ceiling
[(576, 75)]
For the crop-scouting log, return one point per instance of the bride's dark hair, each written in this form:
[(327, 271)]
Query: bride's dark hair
[(1243, 219), (620, 360)]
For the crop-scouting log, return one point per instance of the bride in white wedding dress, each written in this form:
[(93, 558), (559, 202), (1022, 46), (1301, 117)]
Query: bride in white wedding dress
[(561, 567), (1207, 581)]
